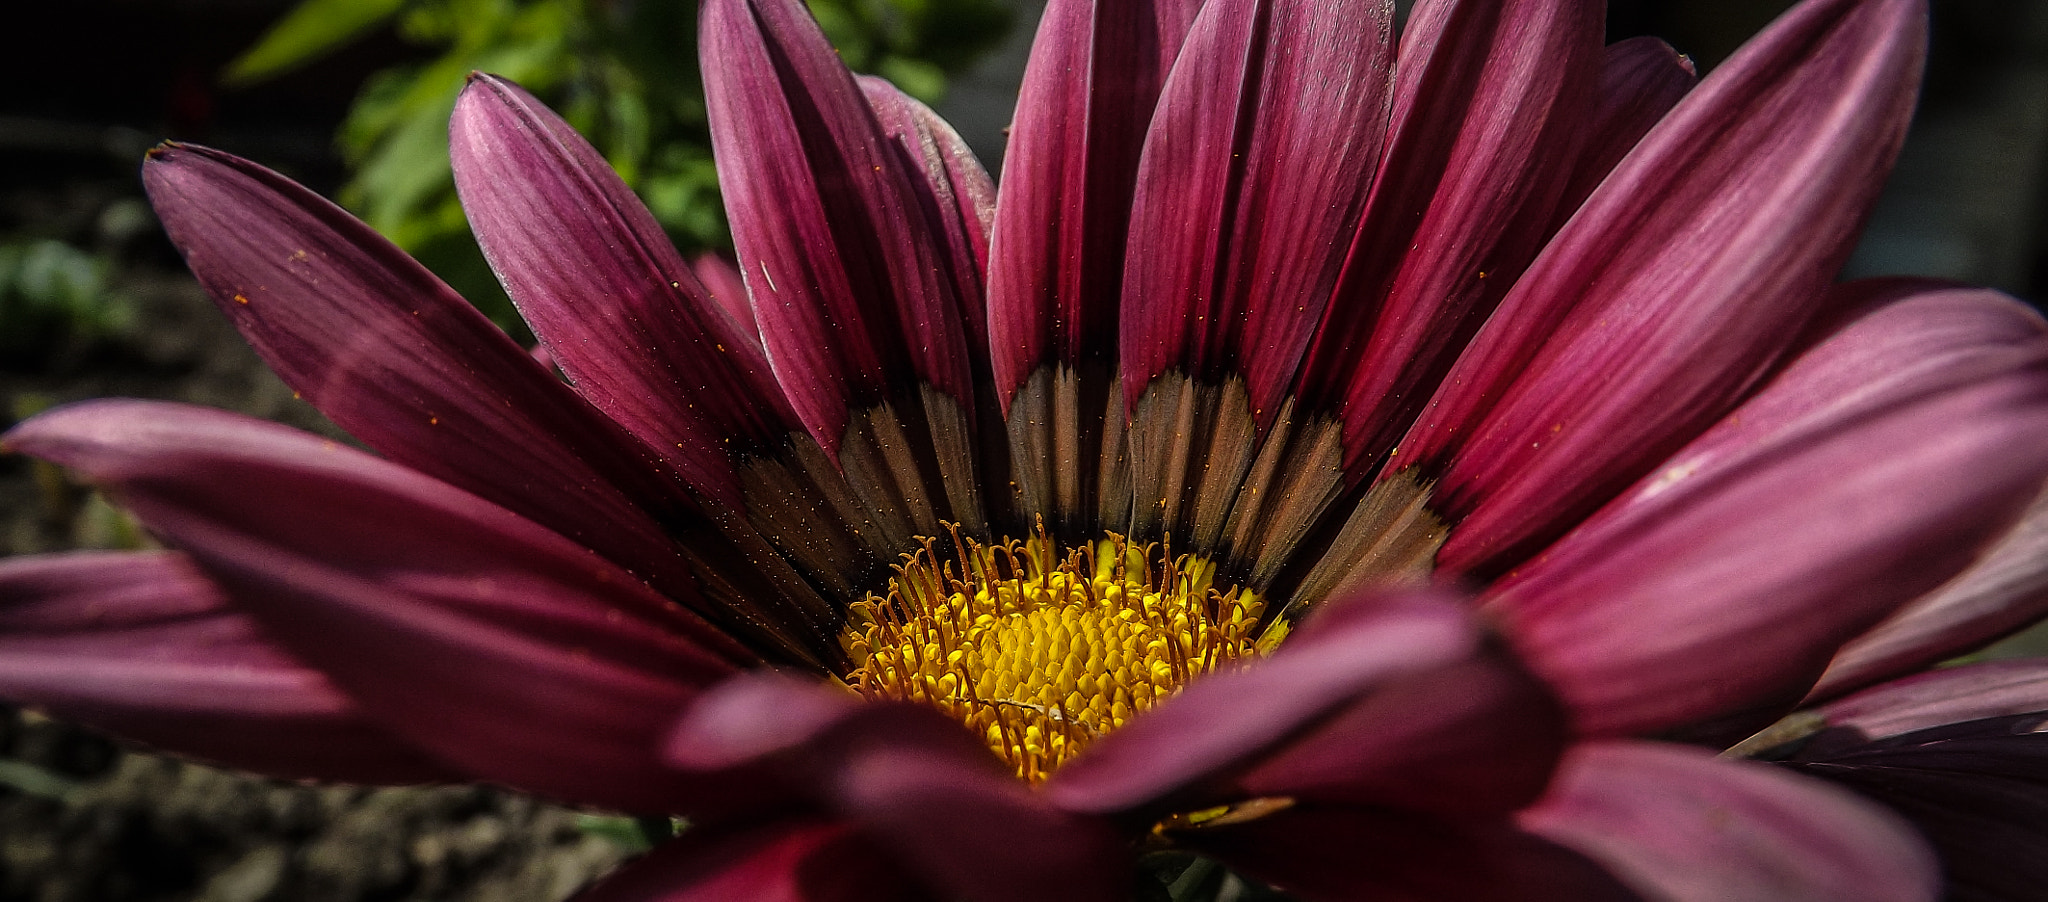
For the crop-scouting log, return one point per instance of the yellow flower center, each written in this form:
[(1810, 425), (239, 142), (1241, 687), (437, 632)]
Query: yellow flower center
[(1041, 650)]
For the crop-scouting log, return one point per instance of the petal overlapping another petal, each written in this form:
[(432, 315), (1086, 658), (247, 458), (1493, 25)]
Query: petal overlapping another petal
[(1679, 285), (551, 669), (1386, 701), (402, 363), (143, 646), (598, 281), (1875, 467)]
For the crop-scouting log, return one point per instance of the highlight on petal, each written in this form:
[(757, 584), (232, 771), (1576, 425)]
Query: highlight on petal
[(1249, 185), (2005, 591), (1681, 283), (551, 670), (595, 276), (144, 647), (1056, 249), (1875, 467), (1939, 698), (1679, 825), (395, 357), (958, 197), (845, 272), (1491, 107), (1374, 702)]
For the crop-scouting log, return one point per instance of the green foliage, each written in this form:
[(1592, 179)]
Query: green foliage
[(623, 72), (50, 292)]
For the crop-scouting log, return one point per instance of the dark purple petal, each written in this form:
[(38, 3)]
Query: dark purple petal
[(1679, 285), (1976, 789), (1492, 102), (1056, 252), (2005, 591), (144, 647), (848, 277), (973, 830), (956, 193), (485, 639), (1254, 174), (395, 357), (1876, 466), (594, 275), (1680, 825), (920, 784), (1376, 658), (1346, 854), (1641, 79), (780, 861)]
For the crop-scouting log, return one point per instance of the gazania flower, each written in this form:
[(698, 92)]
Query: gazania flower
[(1333, 458)]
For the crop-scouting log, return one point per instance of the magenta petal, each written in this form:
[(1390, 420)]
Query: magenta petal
[(974, 831), (599, 282), (1056, 253), (550, 670), (1225, 722), (958, 197), (780, 861), (1350, 854), (1641, 79), (144, 647), (1873, 468), (1491, 106), (753, 716), (848, 278), (2005, 591), (1938, 698), (722, 280), (1678, 286), (392, 355), (1253, 177), (1682, 826)]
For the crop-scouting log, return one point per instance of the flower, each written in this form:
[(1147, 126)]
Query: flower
[(1386, 471)]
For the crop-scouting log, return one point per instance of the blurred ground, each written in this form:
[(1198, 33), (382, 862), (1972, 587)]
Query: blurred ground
[(91, 83)]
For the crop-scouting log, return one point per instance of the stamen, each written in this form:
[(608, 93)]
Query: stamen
[(1041, 650)]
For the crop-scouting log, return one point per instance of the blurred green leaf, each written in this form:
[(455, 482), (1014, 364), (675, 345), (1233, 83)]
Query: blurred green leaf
[(311, 30)]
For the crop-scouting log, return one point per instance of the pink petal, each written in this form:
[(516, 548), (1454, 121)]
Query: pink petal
[(1056, 252), (1491, 107), (479, 636), (395, 357), (1947, 696), (1875, 467), (142, 646), (1682, 826), (1296, 723), (849, 281), (1678, 286), (779, 861), (2005, 591), (1253, 176), (599, 282)]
